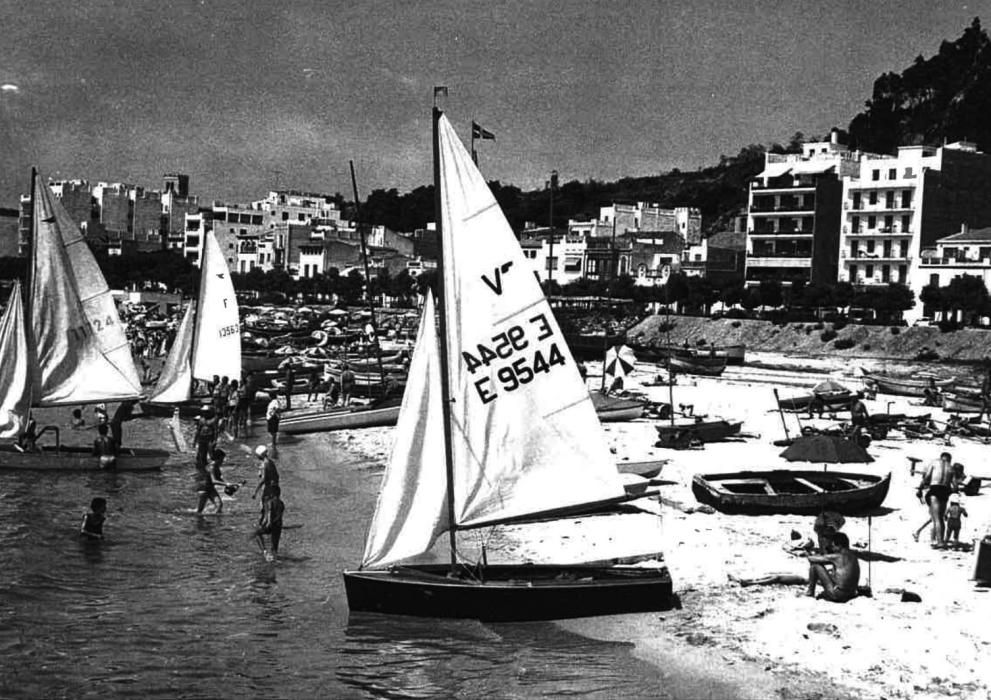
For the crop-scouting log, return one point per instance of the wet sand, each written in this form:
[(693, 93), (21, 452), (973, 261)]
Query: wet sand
[(768, 641)]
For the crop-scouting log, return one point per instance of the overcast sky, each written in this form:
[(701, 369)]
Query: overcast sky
[(248, 95)]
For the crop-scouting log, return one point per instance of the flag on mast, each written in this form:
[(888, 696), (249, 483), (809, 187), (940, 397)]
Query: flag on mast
[(478, 132)]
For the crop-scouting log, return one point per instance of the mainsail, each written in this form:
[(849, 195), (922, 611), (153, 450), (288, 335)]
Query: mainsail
[(81, 351), (217, 344), (176, 380), (412, 505), (525, 437), (15, 368)]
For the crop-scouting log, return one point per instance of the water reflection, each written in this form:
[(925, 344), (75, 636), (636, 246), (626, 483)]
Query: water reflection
[(405, 657)]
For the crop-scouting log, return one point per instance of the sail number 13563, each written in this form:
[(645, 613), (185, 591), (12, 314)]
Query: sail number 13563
[(512, 373)]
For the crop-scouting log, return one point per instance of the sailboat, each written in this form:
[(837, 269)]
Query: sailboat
[(496, 427), (63, 343), (208, 340)]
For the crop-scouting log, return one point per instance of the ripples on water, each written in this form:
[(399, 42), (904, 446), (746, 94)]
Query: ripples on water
[(174, 605)]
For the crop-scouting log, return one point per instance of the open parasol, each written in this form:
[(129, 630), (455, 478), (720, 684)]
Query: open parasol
[(620, 361), (826, 448)]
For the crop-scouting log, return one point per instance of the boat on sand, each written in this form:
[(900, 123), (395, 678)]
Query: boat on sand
[(496, 427), (789, 491)]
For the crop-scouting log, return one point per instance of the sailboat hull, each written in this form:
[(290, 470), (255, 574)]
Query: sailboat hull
[(80, 459), (510, 592)]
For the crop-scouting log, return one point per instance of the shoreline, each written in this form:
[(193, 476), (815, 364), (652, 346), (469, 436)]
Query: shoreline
[(773, 636)]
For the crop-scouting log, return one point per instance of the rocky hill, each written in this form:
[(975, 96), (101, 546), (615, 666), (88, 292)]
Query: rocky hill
[(817, 339)]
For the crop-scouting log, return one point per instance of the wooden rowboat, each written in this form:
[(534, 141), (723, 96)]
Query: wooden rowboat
[(905, 386), (830, 401), (787, 491), (960, 403)]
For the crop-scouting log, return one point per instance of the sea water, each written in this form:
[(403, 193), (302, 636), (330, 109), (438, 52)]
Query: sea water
[(172, 604)]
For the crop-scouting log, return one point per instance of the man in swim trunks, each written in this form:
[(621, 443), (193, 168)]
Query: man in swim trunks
[(936, 483), (270, 522), (840, 584)]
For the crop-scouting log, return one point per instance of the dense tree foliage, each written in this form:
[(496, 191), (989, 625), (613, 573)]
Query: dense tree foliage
[(946, 97)]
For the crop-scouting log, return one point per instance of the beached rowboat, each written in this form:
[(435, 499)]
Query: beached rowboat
[(787, 491), (960, 403), (684, 433), (703, 365), (905, 386)]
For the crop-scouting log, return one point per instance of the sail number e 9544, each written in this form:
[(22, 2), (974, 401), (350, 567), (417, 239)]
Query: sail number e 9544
[(510, 374)]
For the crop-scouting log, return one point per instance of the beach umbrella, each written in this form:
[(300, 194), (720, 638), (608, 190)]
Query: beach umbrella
[(826, 448), (620, 361), (827, 387)]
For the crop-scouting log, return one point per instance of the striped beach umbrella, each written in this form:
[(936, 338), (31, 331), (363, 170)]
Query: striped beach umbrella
[(620, 361)]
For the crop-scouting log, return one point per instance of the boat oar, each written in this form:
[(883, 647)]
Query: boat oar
[(782, 414)]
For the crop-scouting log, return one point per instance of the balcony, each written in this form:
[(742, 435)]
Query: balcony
[(783, 208), (956, 262), (796, 233), (871, 258), (778, 261), (891, 232)]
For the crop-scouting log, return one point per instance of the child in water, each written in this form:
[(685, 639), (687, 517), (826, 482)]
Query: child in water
[(92, 527)]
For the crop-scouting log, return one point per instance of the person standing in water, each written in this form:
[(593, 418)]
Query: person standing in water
[(92, 526)]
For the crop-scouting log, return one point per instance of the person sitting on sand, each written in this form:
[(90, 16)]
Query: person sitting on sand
[(859, 418), (932, 395), (840, 584)]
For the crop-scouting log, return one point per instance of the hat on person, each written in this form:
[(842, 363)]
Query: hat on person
[(261, 451), (954, 498)]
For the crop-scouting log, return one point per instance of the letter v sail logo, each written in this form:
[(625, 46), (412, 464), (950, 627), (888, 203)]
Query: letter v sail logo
[(497, 273)]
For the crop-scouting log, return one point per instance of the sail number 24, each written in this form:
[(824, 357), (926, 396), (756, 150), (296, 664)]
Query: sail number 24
[(512, 373)]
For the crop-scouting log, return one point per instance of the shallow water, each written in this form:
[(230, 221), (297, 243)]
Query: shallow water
[(175, 605)]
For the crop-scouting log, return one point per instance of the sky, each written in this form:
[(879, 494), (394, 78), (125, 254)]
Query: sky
[(246, 96)]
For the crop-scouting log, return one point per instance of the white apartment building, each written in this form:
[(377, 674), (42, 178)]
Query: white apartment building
[(564, 266), (899, 205), (965, 253)]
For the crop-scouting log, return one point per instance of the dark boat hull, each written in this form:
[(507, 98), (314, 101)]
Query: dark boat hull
[(787, 491), (829, 401), (705, 366), (80, 459), (684, 434), (510, 593), (339, 419)]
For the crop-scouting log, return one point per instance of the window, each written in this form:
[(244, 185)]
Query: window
[(855, 224), (869, 271), (857, 196), (870, 247), (906, 223), (853, 273), (903, 249), (301, 217), (906, 199), (552, 263), (872, 197), (871, 223), (902, 273), (285, 216), (934, 280), (909, 173), (886, 248), (889, 200), (892, 173), (876, 175), (853, 250), (885, 273), (889, 223), (230, 246)]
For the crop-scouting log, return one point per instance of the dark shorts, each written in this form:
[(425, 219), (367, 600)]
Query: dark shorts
[(939, 492), (273, 425)]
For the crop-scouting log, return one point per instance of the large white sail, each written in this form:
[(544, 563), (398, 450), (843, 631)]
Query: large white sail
[(412, 505), (15, 368), (175, 383), (217, 343), (82, 353), (526, 439)]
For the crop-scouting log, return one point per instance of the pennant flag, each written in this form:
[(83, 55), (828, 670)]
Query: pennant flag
[(478, 132), (440, 90)]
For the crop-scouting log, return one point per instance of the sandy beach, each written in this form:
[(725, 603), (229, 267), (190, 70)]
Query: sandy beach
[(870, 647)]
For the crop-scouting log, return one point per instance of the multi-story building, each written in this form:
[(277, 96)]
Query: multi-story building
[(793, 214), (9, 232), (965, 253), (901, 204)]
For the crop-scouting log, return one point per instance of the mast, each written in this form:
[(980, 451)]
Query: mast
[(32, 233), (445, 378), (368, 279), (612, 276)]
